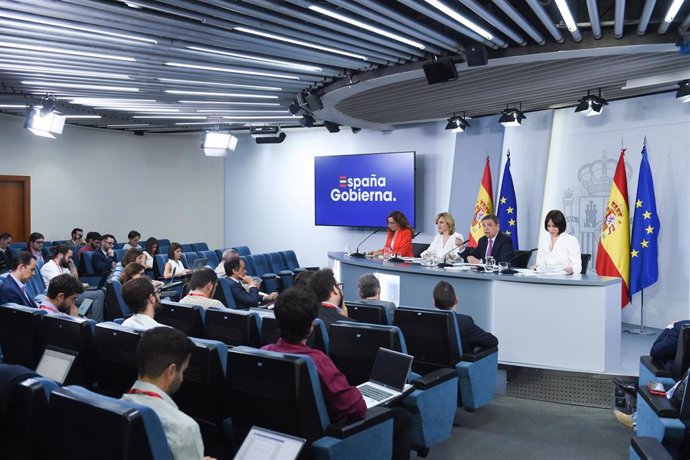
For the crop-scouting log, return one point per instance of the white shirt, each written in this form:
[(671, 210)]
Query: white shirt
[(220, 270), (566, 251), (141, 322), (128, 246), (181, 431), (149, 260), (50, 270), (437, 247), (177, 265), (194, 298)]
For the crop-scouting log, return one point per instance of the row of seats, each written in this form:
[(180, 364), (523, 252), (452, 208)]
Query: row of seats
[(111, 349)]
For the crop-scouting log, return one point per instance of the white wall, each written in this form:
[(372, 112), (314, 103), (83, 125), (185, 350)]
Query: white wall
[(270, 188), (112, 182)]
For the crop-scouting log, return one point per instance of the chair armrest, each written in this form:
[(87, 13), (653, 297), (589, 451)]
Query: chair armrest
[(479, 354), (649, 448), (434, 378), (656, 367), (659, 404), (268, 276), (375, 415)]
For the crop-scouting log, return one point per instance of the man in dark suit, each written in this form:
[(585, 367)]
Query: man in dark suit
[(103, 259), (493, 244), (13, 288), (665, 346), (245, 290), (472, 337), (5, 255)]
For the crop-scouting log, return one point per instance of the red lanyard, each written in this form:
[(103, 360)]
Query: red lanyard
[(136, 391), (193, 294)]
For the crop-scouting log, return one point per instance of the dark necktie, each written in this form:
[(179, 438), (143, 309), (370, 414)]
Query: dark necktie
[(491, 246)]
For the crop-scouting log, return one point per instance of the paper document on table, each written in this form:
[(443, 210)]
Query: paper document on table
[(390, 287), (412, 259), (458, 268), (530, 272)]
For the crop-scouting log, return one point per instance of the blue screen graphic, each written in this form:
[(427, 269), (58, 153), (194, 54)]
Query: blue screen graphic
[(361, 190)]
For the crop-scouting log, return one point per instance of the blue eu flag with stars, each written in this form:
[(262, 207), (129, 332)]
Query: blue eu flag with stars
[(644, 249), (507, 206)]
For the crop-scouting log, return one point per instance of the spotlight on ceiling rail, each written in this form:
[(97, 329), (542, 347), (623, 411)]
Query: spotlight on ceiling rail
[(457, 123), (307, 121), (331, 127), (268, 134), (43, 120), (683, 93), (591, 105), (217, 144), (512, 116)]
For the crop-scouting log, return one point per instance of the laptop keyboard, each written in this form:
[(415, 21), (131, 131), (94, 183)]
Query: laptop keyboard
[(374, 393)]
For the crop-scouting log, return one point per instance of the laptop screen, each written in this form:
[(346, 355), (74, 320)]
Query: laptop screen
[(85, 307), (199, 264), (55, 364), (391, 369), (263, 444)]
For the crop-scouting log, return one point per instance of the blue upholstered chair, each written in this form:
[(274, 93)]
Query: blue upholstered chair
[(115, 348), (652, 370), (224, 293), (278, 266), (658, 418), (119, 253), (163, 242), (20, 332), (86, 271), (107, 427), (291, 402), (369, 313), (270, 334), (269, 280), (187, 248), (198, 247), (433, 339), (74, 334), (211, 256), (115, 305), (188, 259), (186, 318), (159, 261), (353, 347), (646, 448), (291, 261), (233, 327), (243, 250), (249, 265)]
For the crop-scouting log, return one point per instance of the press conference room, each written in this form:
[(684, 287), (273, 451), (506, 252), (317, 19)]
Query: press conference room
[(223, 223)]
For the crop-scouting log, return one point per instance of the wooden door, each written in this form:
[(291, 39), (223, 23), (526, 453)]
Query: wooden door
[(15, 206)]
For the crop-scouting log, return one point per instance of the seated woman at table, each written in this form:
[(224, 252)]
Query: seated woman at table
[(175, 262), (447, 239), (151, 250), (399, 236), (558, 250)]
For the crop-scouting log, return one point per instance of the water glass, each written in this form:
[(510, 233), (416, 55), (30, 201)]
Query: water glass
[(387, 252), (489, 266), (502, 267)]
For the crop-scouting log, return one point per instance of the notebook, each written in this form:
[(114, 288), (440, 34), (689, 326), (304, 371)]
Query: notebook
[(261, 444), (56, 363), (388, 377)]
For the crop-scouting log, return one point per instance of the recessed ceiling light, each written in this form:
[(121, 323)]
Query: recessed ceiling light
[(291, 65), (263, 104), (230, 70), (212, 83), (48, 49), (49, 84), (202, 93), (171, 117), (58, 71), (673, 10), (299, 42)]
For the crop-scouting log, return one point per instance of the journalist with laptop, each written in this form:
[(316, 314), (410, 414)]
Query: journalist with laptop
[(295, 310)]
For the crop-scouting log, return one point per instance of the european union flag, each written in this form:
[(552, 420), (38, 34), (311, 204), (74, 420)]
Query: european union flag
[(644, 268), (507, 206)]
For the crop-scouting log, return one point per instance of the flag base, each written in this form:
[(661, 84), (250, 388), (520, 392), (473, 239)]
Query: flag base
[(640, 331)]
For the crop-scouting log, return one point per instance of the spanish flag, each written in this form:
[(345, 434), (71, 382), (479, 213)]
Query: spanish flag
[(613, 254), (483, 207)]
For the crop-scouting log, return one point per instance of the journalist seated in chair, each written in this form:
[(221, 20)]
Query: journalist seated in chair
[(471, 335), (329, 292), (446, 239), (665, 346), (369, 290), (202, 287), (93, 242), (133, 238), (175, 262), (61, 263), (35, 246), (558, 250), (295, 310), (494, 243), (103, 259), (62, 295), (245, 289), (227, 255), (141, 296), (13, 290), (77, 238), (151, 250), (131, 255), (5, 254), (163, 354)]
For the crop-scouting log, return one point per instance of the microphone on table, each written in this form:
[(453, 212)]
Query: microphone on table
[(510, 270), (358, 254), (397, 258), (443, 263)]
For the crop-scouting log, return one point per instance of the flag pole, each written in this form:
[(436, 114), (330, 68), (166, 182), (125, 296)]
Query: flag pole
[(641, 330)]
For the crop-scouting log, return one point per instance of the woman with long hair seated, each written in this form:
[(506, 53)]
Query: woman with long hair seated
[(175, 262), (398, 237)]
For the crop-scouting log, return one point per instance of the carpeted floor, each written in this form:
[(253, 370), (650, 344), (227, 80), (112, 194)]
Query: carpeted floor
[(513, 428)]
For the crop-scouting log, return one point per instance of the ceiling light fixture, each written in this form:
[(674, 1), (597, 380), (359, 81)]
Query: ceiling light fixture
[(258, 117), (81, 116), (683, 93), (365, 26), (307, 68), (228, 70), (217, 144), (190, 123), (591, 105), (44, 122), (169, 117), (245, 112), (109, 101), (130, 125), (203, 93), (263, 104), (512, 116), (673, 10), (307, 121), (12, 106), (211, 83), (58, 71), (567, 15), (48, 22), (267, 134), (48, 84), (299, 42), (460, 18), (48, 49), (331, 127), (457, 123)]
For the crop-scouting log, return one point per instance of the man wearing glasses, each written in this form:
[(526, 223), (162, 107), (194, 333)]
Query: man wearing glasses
[(35, 247), (330, 293)]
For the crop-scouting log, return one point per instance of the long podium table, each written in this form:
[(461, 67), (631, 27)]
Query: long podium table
[(565, 322)]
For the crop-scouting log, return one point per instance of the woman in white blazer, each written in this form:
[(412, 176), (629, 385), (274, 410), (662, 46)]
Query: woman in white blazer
[(558, 250), (447, 239)]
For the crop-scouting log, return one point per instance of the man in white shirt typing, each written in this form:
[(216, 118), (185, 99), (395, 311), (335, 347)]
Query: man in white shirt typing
[(140, 295)]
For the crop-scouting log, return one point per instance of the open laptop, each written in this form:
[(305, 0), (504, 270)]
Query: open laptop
[(56, 363), (261, 444), (199, 264), (84, 307), (388, 377)]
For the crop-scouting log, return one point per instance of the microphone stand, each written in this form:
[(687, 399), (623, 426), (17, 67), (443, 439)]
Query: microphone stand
[(443, 263), (359, 255)]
